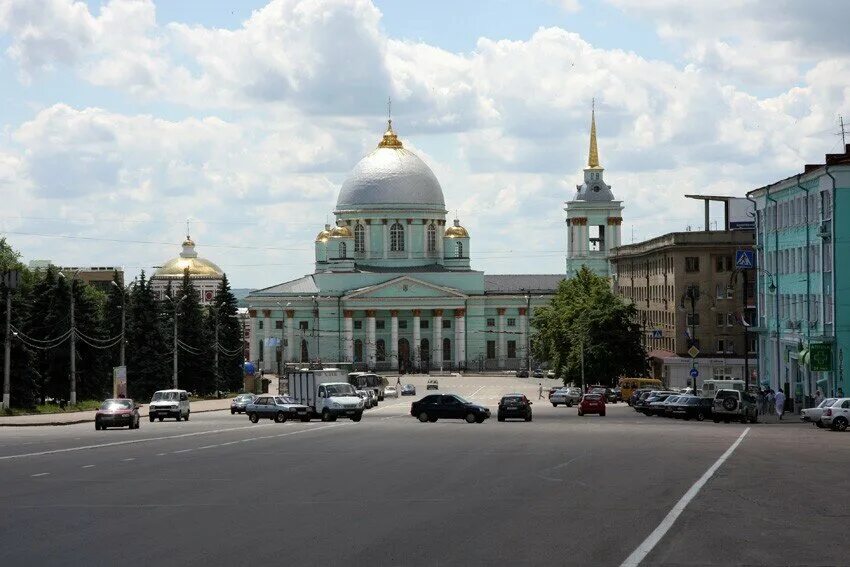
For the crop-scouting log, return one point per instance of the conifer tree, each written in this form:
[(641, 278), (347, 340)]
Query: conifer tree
[(23, 372), (194, 367), (148, 355), (230, 356)]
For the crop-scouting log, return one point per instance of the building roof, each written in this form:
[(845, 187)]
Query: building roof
[(693, 239), (188, 259), (404, 269), (305, 285), (514, 283)]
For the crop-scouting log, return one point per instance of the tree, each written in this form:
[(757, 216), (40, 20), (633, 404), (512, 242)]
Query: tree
[(147, 350), (194, 365), (23, 373), (224, 310), (49, 319), (585, 314)]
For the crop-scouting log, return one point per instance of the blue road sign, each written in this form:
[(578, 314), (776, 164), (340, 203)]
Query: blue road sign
[(745, 259), (656, 334), (694, 372)]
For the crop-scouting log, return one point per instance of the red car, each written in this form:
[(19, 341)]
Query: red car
[(117, 413), (592, 403)]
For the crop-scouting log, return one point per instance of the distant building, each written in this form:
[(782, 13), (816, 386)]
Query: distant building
[(97, 276), (803, 314), (204, 274), (656, 276)]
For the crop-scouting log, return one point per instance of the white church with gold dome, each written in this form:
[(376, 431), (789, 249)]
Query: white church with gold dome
[(393, 286)]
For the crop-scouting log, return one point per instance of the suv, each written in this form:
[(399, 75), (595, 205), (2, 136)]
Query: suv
[(837, 416), (432, 385), (169, 403), (734, 405)]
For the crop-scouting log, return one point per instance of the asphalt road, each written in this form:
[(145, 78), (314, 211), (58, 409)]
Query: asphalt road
[(389, 490)]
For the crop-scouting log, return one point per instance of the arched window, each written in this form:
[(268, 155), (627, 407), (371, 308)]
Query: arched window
[(447, 349), (425, 352), (432, 238), (380, 350), (359, 239), (343, 250), (358, 350), (460, 249), (396, 238), (305, 354)]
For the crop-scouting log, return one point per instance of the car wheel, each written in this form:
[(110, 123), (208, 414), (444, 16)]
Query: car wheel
[(700, 416), (470, 418), (232, 412), (716, 420), (97, 426), (253, 417), (423, 417), (819, 424), (528, 417), (161, 418), (280, 417), (839, 424), (357, 417), (580, 413), (500, 418), (602, 414), (179, 416), (151, 418), (569, 404), (554, 405), (326, 415), (187, 416)]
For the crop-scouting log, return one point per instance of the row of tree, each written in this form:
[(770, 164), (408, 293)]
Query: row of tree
[(41, 326)]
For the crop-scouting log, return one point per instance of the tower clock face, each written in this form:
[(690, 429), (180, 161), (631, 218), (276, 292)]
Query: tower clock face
[(596, 188)]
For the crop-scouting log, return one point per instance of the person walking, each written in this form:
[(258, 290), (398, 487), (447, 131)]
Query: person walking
[(540, 391), (762, 400), (771, 401), (818, 397), (780, 403)]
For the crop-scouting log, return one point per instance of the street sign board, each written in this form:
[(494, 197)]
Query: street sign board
[(657, 334), (693, 352), (10, 279), (820, 355), (745, 259), (694, 372)]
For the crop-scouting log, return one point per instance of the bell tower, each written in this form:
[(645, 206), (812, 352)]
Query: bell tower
[(594, 217)]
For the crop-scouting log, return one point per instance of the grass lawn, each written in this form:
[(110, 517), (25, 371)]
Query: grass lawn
[(84, 405)]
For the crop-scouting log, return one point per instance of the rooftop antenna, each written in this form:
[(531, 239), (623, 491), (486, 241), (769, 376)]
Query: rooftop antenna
[(842, 133), (389, 108), (187, 228)]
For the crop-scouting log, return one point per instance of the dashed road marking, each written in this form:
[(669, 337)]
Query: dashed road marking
[(128, 459), (40, 474), (87, 466)]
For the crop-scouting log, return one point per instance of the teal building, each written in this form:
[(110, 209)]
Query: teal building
[(803, 291), (394, 287), (594, 217)]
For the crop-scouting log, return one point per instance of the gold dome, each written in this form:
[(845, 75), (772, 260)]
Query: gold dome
[(341, 232), (457, 231), (390, 140), (198, 267), (324, 235)]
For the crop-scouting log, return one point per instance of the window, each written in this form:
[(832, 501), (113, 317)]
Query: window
[(359, 239), (305, 354), (396, 238), (447, 323), (260, 324), (511, 349), (491, 349), (447, 349), (358, 325), (402, 324), (693, 319), (721, 319), (432, 238), (380, 324), (730, 320), (511, 322), (491, 322), (692, 263), (725, 345), (423, 323), (459, 249), (343, 250), (722, 373), (720, 291), (381, 350), (278, 324), (358, 350)]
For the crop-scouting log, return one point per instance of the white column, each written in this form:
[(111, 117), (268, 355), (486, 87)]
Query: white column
[(394, 339), (370, 338), (349, 336), (417, 340), (253, 344), (268, 352), (437, 343), (408, 240), (460, 338), (523, 341), (290, 336), (500, 342), (386, 230)]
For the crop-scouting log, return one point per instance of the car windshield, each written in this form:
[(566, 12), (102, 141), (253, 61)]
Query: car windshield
[(408, 386), (112, 405), (462, 399), (512, 399), (692, 401), (165, 396), (827, 403), (340, 390), (244, 398), (592, 397)]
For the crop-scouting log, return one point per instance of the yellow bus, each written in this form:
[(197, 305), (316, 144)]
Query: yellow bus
[(629, 385)]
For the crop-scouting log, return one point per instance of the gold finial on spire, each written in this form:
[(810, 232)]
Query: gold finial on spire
[(390, 140), (593, 155)]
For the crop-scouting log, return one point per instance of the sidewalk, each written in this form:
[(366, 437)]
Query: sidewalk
[(88, 416)]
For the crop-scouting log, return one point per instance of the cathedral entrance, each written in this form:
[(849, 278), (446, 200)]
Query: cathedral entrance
[(403, 356)]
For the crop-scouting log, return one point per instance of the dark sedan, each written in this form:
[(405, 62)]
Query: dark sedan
[(514, 406), (408, 390), (448, 406), (238, 404), (278, 408), (647, 407), (117, 413), (693, 407)]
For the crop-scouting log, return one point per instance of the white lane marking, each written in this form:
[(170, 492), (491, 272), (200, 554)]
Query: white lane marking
[(182, 451), (161, 454), (652, 540), (472, 395), (208, 447), (87, 466), (128, 442), (129, 459), (40, 474)]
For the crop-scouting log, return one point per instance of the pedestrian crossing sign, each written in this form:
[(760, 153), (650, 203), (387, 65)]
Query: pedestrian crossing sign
[(744, 259)]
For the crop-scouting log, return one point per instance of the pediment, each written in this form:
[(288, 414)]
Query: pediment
[(405, 287)]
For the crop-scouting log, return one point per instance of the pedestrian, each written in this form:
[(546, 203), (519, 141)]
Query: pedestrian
[(771, 401), (780, 403), (840, 392), (762, 401), (818, 397), (540, 391)]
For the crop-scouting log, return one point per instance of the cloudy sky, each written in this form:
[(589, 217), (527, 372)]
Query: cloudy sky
[(123, 118)]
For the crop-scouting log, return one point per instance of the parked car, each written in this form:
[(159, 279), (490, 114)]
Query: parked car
[(565, 396), (390, 392), (278, 408), (237, 405), (117, 413), (837, 416), (608, 393), (448, 406), (637, 394), (514, 406), (551, 374), (618, 395), (169, 403), (734, 405), (814, 414), (692, 407), (408, 390), (645, 407), (658, 406), (366, 397), (432, 385), (522, 373), (553, 389), (592, 403), (537, 373)]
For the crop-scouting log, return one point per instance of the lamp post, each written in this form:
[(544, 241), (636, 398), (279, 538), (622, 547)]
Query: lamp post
[(175, 305), (729, 291), (72, 399), (282, 331), (123, 322), (10, 282), (692, 295)]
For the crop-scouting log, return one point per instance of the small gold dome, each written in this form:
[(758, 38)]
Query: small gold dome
[(324, 235), (457, 231), (341, 232), (198, 268), (390, 140)]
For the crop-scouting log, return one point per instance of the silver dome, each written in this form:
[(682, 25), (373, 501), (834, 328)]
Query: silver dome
[(391, 178)]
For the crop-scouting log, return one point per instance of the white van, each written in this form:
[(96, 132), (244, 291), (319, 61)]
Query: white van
[(169, 403), (325, 394), (710, 387)]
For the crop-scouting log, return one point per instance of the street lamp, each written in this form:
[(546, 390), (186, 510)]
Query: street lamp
[(175, 305), (123, 321), (730, 290), (73, 396), (282, 331), (692, 295)]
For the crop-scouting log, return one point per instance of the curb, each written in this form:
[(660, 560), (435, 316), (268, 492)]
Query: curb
[(77, 421)]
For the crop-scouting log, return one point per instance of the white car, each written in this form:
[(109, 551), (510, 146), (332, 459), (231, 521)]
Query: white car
[(169, 403), (366, 396), (837, 416), (565, 396), (814, 414), (390, 392)]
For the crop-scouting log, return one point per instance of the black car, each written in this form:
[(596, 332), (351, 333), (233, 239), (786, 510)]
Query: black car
[(522, 373), (537, 374), (514, 406), (692, 407), (646, 408), (636, 395), (448, 406)]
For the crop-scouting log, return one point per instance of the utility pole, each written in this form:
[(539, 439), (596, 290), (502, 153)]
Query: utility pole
[(73, 396), (746, 335), (582, 367), (843, 138), (528, 333), (175, 304), (215, 362), (122, 361), (7, 352)]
